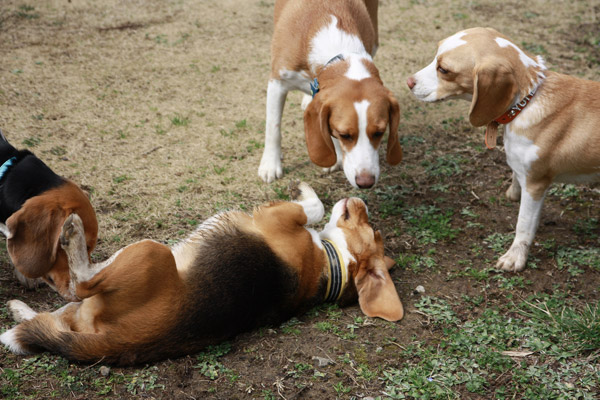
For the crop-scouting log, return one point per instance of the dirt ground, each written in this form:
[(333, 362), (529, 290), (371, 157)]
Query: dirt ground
[(157, 109)]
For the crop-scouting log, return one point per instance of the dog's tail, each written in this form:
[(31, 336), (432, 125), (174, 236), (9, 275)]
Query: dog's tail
[(45, 333)]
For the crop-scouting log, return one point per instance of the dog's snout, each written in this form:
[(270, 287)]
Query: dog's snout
[(365, 181), (411, 82)]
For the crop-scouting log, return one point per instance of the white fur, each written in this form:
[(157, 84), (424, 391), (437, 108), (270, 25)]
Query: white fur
[(313, 208), (363, 158), (357, 70), (4, 230), (525, 59), (336, 235), (20, 311), (270, 163), (331, 41), (8, 338), (427, 82), (339, 155)]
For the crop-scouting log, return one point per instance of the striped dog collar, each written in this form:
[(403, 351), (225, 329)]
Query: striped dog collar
[(7, 164), (336, 272)]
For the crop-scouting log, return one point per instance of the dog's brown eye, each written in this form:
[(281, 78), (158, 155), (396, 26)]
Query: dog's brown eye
[(442, 70), (345, 136), (377, 134)]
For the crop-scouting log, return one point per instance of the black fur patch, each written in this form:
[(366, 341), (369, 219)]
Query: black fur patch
[(26, 178)]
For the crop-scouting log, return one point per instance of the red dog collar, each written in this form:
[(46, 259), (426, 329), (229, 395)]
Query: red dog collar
[(491, 131)]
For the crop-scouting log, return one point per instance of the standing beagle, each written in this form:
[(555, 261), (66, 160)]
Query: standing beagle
[(551, 120), (236, 272), (34, 204), (325, 48)]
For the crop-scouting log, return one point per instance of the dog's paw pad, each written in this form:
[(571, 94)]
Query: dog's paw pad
[(294, 189)]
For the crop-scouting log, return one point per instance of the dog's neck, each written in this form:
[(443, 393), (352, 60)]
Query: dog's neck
[(338, 256)]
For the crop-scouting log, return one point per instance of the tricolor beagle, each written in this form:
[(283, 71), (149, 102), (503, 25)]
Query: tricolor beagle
[(325, 48), (551, 132), (34, 204), (236, 272)]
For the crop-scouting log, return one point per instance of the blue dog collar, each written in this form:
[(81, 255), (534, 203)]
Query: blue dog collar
[(7, 164), (314, 85)]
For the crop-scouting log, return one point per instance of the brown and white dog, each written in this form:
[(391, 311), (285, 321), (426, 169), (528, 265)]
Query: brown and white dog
[(325, 48), (236, 272), (551, 132), (34, 204)]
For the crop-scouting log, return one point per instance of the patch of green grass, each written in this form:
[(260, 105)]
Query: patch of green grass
[(438, 310), (390, 200), (26, 12), (588, 227), (571, 258), (470, 356), (31, 141), (208, 364), (415, 262), (564, 191), (498, 241), (179, 120), (429, 224), (443, 166), (120, 178), (143, 380), (534, 48)]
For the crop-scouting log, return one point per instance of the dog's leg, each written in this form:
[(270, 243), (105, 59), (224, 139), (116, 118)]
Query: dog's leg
[(339, 156), (514, 191), (20, 311), (306, 99), (304, 195), (270, 164), (4, 230), (527, 223)]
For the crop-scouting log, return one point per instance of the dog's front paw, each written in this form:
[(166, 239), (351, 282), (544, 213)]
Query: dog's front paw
[(270, 168), (300, 191), (337, 166), (515, 258), (20, 311), (71, 227)]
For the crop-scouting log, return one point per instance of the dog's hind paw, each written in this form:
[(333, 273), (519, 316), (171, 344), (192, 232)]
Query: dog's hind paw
[(71, 227), (20, 311)]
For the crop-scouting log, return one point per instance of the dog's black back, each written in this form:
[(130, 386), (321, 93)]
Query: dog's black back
[(27, 177)]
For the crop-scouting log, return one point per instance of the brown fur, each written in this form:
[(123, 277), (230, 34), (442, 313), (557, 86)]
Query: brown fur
[(35, 228), (143, 306)]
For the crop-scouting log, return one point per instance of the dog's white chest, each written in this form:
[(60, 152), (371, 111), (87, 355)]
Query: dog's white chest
[(521, 152)]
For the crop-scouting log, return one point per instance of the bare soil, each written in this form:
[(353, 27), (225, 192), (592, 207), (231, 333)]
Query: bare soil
[(157, 109)]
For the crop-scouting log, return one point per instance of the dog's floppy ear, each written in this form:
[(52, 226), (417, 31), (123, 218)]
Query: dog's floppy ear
[(494, 90), (394, 150), (317, 133), (377, 295), (33, 237)]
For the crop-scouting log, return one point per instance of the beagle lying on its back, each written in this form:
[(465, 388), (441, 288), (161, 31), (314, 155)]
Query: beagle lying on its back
[(34, 204), (551, 132), (235, 273), (325, 48)]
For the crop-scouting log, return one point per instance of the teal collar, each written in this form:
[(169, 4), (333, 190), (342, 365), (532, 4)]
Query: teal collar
[(7, 164), (314, 85)]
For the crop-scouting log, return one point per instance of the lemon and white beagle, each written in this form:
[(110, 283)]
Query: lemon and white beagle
[(325, 49), (236, 272), (551, 120)]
